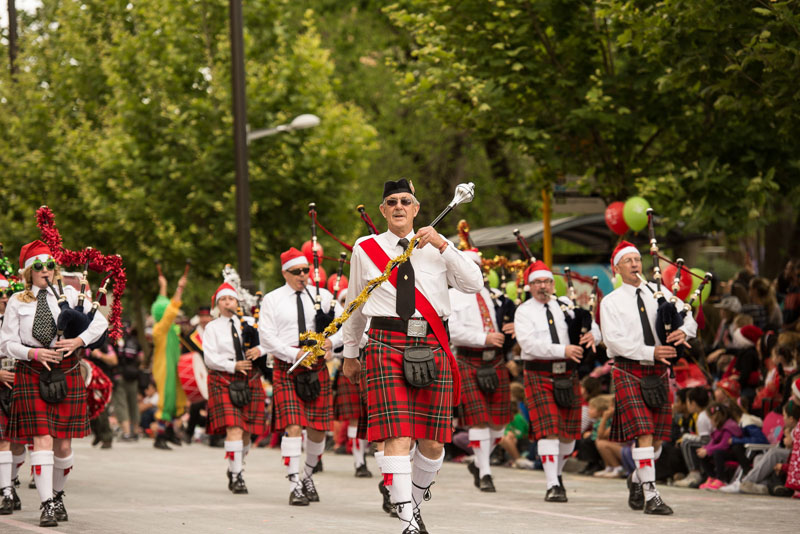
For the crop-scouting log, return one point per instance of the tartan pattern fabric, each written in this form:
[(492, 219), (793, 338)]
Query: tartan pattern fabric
[(347, 402), (362, 416), (31, 416), (223, 414), (477, 407), (547, 419), (290, 410), (632, 418), (44, 326), (395, 409)]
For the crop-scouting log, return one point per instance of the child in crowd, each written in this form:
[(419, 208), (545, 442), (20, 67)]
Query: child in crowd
[(610, 451), (591, 387), (793, 466), (587, 447), (769, 397), (697, 400), (763, 478), (717, 451), (516, 435)]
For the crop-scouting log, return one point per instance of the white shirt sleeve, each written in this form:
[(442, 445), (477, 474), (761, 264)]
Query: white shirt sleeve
[(268, 334), (353, 328), (462, 272), (465, 330), (10, 342), (214, 353)]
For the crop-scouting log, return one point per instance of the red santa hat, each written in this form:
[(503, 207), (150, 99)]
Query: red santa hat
[(538, 269), (730, 385), (752, 333), (3, 282), (292, 257), (796, 388), (623, 248), (225, 290), (35, 250)]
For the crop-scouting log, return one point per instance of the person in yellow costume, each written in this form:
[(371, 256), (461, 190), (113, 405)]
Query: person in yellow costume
[(166, 352)]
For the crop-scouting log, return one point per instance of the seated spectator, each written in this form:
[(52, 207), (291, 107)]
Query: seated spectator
[(793, 468), (728, 307), (610, 451), (586, 446), (697, 400), (763, 478), (717, 451), (770, 396), (763, 306), (751, 434), (719, 360), (515, 438), (147, 410)]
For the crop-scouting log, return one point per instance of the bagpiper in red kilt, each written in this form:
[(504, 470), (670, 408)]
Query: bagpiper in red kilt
[(547, 418), (221, 411), (478, 407), (290, 409), (632, 418)]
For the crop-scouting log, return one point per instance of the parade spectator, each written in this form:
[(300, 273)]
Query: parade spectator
[(105, 358), (771, 395), (126, 384), (717, 451), (587, 445), (728, 307), (516, 434), (763, 306), (610, 451), (763, 475), (788, 291), (697, 400)]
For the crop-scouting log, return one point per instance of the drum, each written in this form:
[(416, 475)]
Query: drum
[(98, 388), (193, 375)]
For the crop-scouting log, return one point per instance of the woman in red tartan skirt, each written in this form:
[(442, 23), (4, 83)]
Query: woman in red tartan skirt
[(29, 335), (628, 316), (400, 409), (228, 363), (12, 451), (550, 361)]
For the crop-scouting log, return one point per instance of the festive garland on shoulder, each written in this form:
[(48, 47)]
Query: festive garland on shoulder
[(98, 262), (7, 270)]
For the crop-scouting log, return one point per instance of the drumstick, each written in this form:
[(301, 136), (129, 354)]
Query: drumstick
[(158, 268), (186, 269)]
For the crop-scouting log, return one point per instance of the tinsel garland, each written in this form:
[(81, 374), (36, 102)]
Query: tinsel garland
[(7, 269), (98, 262), (316, 351)]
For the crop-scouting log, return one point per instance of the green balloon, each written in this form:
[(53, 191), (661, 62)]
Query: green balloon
[(696, 283), (511, 290), (494, 279), (617, 281), (561, 285), (635, 213)]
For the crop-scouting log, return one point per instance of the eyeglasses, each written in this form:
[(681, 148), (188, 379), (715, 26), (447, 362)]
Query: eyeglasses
[(298, 272), (39, 266), (540, 282), (392, 202)]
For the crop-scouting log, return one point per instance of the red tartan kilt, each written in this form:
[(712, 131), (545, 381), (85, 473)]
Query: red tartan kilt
[(632, 418), (362, 414), (395, 409), (223, 414), (31, 416), (347, 403), (477, 407), (290, 410), (547, 419)]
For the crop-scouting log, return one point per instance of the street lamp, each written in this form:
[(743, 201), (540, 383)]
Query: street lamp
[(301, 122)]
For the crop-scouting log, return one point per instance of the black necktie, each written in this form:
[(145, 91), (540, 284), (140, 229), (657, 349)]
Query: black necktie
[(301, 314), (44, 327), (405, 286), (237, 345), (552, 325), (649, 339)]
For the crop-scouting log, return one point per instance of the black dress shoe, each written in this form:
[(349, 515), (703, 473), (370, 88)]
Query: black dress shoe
[(555, 494), (161, 443), (420, 523), (297, 497), (239, 486), (388, 507), (58, 505), (363, 472), (411, 530), (635, 494), (172, 437), (230, 480), (656, 506), (48, 517), (317, 468), (96, 440), (6, 504), (487, 484), (310, 490), (476, 474), (17, 502)]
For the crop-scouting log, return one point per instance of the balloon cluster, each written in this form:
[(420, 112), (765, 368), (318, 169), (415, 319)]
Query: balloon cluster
[(628, 215), (324, 279)]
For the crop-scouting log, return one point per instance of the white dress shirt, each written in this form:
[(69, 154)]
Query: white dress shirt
[(466, 322), (277, 325), (533, 330), (622, 326), (433, 272), (16, 336), (219, 351)]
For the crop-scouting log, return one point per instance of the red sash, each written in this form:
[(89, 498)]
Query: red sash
[(381, 260)]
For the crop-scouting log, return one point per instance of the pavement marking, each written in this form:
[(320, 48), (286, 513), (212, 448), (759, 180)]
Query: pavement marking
[(554, 514), (26, 526)]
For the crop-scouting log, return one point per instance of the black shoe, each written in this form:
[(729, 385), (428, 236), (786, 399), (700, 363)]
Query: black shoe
[(48, 517), (297, 497), (230, 480), (363, 472), (317, 468), (310, 490), (487, 484), (161, 443), (556, 494), (420, 523), (238, 484), (656, 506), (32, 483), (14, 486), (6, 504), (388, 507), (411, 530), (561, 483), (96, 440), (635, 494), (58, 505), (476, 474), (172, 437), (781, 491), (341, 449)]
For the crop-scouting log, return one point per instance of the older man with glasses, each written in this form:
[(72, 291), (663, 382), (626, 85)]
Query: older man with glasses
[(302, 399)]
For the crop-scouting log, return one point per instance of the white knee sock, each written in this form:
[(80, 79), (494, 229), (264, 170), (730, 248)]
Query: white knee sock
[(422, 476), (246, 450), (6, 462), (379, 460), (480, 441), (234, 452), (548, 452), (314, 452), (18, 461), (644, 459), (564, 451), (291, 449), (397, 479), (496, 436), (357, 444), (42, 464), (61, 468)]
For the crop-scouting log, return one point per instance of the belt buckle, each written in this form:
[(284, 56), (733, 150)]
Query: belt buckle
[(647, 363), (8, 364), (559, 368), (488, 355), (417, 328)]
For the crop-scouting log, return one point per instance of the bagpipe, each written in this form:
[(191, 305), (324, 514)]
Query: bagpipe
[(314, 340), (580, 320), (367, 220), (321, 318)]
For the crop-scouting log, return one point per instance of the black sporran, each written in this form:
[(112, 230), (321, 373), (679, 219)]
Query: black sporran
[(5, 400), (239, 392), (487, 379), (52, 386), (654, 392), (307, 386), (419, 366), (563, 392)]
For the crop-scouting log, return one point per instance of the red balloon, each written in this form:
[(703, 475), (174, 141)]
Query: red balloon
[(668, 278), (322, 276), (309, 254), (614, 219), (332, 282)]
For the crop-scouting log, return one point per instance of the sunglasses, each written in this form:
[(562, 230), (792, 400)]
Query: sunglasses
[(298, 272), (39, 266), (392, 202)]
